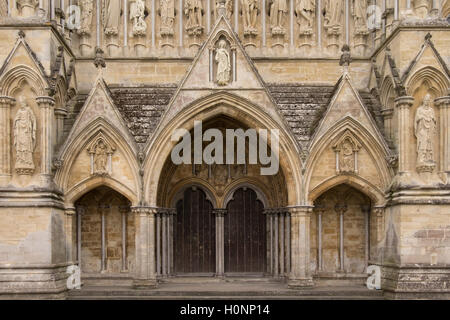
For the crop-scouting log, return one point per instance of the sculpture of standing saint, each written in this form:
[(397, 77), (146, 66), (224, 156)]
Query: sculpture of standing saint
[(425, 130), (333, 14), (24, 138), (249, 14), (228, 7), (359, 12), (305, 15), (277, 10), (87, 8), (137, 14), (167, 12), (193, 9), (112, 10), (223, 64), (101, 158)]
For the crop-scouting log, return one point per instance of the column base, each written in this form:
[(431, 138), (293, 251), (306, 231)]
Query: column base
[(300, 283), (145, 283)]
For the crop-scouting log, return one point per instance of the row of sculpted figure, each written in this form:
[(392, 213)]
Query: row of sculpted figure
[(305, 12)]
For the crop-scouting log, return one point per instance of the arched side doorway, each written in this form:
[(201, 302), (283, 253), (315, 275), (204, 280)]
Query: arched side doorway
[(245, 234), (105, 233), (194, 234), (342, 230)]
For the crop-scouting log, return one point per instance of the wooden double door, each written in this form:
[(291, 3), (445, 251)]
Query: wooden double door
[(244, 234)]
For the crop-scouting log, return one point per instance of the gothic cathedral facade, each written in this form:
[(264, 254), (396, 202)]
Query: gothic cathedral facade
[(92, 91)]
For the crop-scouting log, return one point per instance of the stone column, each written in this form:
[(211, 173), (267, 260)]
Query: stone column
[(379, 214), (300, 276), (46, 105), (103, 209), (220, 241), (60, 115), (170, 267), (80, 212), (319, 210), (124, 211), (403, 105), (145, 276), (443, 104), (287, 240), (341, 209), (71, 231), (5, 139), (366, 211)]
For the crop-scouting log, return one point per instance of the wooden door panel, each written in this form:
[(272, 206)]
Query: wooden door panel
[(194, 234), (245, 234)]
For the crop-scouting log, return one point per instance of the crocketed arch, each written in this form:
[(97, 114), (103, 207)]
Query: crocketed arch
[(212, 106), (375, 149), (439, 82), (12, 79), (71, 150)]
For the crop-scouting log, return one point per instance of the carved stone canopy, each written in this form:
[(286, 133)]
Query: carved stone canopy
[(346, 149)]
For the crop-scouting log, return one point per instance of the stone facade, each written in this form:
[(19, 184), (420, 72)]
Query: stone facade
[(89, 102)]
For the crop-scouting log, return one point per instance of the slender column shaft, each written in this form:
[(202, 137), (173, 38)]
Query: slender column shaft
[(103, 215), (236, 16), (263, 23), (158, 243), (366, 213), (164, 244), (208, 16), (180, 31), (403, 105), (220, 241), (46, 105), (124, 212), (319, 23), (171, 235), (444, 110), (396, 9), (287, 239), (291, 22), (282, 248), (276, 262), (347, 21), (270, 218), (319, 240), (125, 23), (98, 26), (153, 23), (5, 135), (70, 226), (80, 211)]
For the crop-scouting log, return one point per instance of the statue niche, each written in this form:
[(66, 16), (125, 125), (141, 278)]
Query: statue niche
[(137, 15), (346, 150), (425, 130), (24, 138), (359, 13), (193, 9), (278, 8), (333, 12), (167, 13), (87, 9), (112, 11), (101, 151), (249, 15)]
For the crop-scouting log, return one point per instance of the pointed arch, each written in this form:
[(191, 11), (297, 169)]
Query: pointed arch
[(180, 188), (209, 107), (260, 193), (87, 185), (72, 149), (431, 75), (376, 150), (387, 92), (10, 81)]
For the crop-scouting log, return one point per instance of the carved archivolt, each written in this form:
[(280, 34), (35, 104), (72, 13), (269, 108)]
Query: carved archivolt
[(101, 151), (346, 149)]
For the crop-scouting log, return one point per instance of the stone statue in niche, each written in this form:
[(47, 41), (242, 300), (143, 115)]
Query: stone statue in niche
[(333, 16), (24, 138), (193, 9), (359, 12), (347, 158), (304, 10), (27, 8), (425, 130), (101, 153), (277, 10), (87, 9), (137, 14), (167, 12), (228, 7), (223, 64), (250, 14), (112, 10)]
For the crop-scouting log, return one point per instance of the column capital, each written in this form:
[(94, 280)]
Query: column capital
[(341, 208), (124, 209), (404, 101), (387, 113), (6, 101), (45, 101), (442, 102), (144, 211), (220, 212), (300, 211), (379, 211), (70, 211), (61, 112)]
